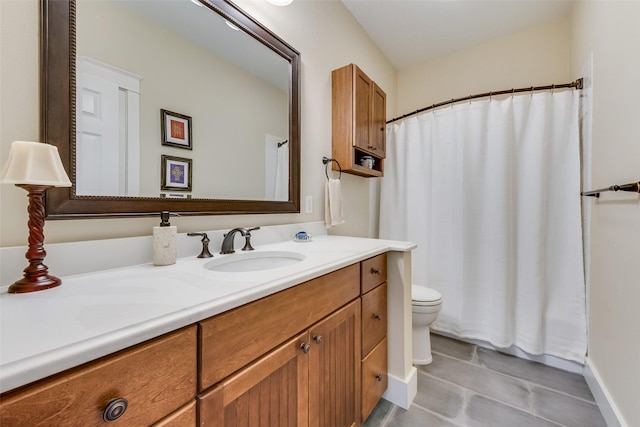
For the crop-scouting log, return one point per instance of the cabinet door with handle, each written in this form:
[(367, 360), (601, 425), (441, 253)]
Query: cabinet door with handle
[(272, 392), (334, 369), (378, 121), (362, 115)]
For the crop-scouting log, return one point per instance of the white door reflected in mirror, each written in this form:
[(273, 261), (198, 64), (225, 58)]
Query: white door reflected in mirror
[(107, 131)]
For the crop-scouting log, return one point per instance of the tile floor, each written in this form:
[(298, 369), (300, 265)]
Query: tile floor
[(470, 386)]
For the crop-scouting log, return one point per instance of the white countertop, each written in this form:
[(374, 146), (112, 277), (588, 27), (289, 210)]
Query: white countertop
[(95, 314)]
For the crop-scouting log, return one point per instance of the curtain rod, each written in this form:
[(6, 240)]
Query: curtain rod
[(578, 84)]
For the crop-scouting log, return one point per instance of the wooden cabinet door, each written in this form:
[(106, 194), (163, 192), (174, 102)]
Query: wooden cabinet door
[(362, 114), (378, 120), (272, 392), (334, 369)]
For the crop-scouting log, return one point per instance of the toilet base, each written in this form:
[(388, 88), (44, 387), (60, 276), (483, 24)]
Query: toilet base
[(421, 345), (423, 361)]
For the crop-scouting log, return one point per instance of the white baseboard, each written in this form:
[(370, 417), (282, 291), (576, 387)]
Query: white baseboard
[(607, 406), (401, 392)]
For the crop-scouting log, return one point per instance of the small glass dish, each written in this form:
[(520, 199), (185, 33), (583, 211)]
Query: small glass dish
[(301, 237)]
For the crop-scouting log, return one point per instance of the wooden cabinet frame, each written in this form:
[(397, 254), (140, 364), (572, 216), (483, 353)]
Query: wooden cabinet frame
[(358, 121)]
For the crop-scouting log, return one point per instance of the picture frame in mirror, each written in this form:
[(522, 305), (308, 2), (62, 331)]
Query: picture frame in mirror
[(176, 173), (176, 130)]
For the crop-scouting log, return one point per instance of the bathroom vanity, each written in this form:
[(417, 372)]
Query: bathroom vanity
[(305, 344)]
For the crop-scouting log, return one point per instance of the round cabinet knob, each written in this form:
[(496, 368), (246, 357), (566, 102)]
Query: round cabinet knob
[(377, 316), (115, 409), (378, 377), (306, 347), (317, 339), (375, 271)]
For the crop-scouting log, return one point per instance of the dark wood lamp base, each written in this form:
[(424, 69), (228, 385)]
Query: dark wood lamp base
[(36, 275)]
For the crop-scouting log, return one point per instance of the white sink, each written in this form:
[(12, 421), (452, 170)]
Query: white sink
[(254, 261)]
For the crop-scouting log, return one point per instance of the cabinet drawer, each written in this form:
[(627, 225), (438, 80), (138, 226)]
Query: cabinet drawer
[(156, 378), (233, 339), (374, 377), (374, 272), (374, 318)]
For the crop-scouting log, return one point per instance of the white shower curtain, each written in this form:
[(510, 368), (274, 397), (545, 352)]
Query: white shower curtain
[(490, 192)]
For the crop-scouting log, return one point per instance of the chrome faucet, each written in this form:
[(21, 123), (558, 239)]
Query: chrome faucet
[(227, 243)]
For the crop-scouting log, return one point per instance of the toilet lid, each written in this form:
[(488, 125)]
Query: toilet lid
[(422, 294)]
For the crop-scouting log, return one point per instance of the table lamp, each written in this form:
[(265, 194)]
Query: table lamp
[(34, 166)]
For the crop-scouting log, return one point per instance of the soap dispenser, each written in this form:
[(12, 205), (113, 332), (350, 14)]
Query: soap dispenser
[(164, 241)]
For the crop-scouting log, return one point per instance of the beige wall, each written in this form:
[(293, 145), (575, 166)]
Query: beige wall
[(610, 31), (303, 24), (537, 56)]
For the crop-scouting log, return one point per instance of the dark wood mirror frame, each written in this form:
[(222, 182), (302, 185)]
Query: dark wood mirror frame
[(58, 99)]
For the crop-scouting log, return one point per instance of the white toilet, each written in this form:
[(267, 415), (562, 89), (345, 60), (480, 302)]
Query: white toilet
[(425, 306)]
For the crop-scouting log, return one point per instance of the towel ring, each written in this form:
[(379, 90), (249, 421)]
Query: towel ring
[(325, 161)]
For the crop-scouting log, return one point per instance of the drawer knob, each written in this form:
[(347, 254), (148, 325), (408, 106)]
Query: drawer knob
[(378, 377), (375, 271), (306, 347), (317, 339), (115, 409), (377, 316)]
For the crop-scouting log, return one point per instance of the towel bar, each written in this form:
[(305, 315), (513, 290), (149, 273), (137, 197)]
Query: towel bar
[(325, 161), (633, 187)]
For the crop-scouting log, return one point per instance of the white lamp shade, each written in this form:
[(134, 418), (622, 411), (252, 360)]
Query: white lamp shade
[(34, 163)]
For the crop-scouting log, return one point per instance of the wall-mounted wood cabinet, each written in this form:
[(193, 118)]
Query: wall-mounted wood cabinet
[(358, 121)]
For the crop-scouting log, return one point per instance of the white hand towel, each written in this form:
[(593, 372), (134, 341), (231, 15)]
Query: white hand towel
[(333, 203)]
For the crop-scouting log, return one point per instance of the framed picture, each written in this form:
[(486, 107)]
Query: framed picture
[(176, 130), (176, 173)]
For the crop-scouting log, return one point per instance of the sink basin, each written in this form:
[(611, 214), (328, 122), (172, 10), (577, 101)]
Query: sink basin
[(254, 261)]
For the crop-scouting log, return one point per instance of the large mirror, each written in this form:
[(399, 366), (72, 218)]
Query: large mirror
[(190, 106)]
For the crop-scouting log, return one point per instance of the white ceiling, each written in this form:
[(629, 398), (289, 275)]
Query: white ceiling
[(410, 32)]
